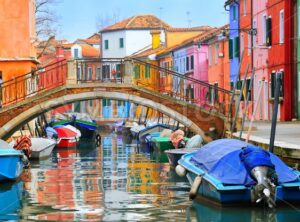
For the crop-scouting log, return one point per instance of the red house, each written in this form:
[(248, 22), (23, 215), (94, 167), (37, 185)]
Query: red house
[(280, 30)]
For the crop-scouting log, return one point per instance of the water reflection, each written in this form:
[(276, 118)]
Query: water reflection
[(113, 182)]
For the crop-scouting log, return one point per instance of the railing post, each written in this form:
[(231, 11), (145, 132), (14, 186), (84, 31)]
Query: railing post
[(71, 72), (127, 75)]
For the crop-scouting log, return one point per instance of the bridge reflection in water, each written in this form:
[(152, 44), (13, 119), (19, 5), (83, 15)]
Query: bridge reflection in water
[(114, 182)]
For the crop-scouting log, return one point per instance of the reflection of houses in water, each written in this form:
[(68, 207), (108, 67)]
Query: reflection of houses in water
[(73, 186), (115, 159)]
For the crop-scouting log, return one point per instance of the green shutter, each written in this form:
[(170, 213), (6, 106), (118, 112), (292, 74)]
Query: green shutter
[(121, 43), (106, 45), (230, 49), (237, 47), (147, 75)]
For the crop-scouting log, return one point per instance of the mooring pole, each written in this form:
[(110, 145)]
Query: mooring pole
[(275, 111)]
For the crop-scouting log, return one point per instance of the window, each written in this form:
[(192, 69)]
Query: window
[(249, 44), (216, 53), (121, 103), (106, 44), (273, 83), (237, 47), (147, 71), (254, 36), (118, 69), (98, 73), (264, 27), (234, 12), (242, 42), (91, 102), (187, 63), (90, 73), (192, 62), (281, 27), (121, 43), (216, 94), (106, 102), (209, 55), (269, 32), (248, 89), (78, 73), (137, 71), (245, 7), (105, 72), (76, 53), (230, 49)]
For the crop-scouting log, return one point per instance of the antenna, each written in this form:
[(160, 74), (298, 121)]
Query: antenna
[(160, 12), (188, 18)]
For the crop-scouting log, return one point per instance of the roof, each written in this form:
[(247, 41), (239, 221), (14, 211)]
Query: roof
[(89, 51), (137, 22), (194, 40), (147, 52), (192, 29), (94, 39)]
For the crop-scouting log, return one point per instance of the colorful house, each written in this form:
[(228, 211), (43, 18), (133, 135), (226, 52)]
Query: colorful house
[(17, 42), (281, 54), (219, 63), (17, 51), (261, 44), (234, 40)]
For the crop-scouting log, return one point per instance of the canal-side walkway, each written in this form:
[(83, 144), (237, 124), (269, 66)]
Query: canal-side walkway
[(287, 139)]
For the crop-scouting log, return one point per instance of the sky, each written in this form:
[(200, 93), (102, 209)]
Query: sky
[(79, 18)]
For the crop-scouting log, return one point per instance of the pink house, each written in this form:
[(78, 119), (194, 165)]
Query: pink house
[(260, 62)]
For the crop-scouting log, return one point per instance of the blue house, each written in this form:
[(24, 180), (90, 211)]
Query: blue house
[(234, 40)]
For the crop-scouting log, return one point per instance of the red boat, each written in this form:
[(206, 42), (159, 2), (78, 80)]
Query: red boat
[(68, 136)]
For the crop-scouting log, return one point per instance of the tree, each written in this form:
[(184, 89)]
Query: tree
[(104, 20), (46, 19)]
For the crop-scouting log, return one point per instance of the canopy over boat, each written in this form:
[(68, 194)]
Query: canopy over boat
[(221, 159)]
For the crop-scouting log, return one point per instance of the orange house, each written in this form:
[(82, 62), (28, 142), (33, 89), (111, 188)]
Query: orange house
[(18, 36)]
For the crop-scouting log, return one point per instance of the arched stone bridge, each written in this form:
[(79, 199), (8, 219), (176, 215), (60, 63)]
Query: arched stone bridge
[(66, 82)]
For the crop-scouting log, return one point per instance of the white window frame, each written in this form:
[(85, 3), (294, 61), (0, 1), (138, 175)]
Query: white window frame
[(242, 46), (249, 44), (264, 27), (209, 55), (216, 53), (281, 26)]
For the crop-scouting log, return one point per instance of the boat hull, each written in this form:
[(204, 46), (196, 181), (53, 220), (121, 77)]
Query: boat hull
[(87, 129), (41, 148), (11, 166), (67, 142), (212, 190), (174, 155)]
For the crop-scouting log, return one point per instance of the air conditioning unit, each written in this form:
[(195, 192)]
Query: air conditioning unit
[(221, 54)]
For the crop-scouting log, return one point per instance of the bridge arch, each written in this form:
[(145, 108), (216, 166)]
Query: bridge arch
[(11, 126)]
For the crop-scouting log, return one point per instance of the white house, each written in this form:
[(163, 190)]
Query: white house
[(130, 35)]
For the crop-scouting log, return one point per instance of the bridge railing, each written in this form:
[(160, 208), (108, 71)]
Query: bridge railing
[(28, 85), (181, 86)]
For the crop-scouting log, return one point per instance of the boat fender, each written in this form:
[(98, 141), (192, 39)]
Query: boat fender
[(98, 139), (180, 170), (195, 187)]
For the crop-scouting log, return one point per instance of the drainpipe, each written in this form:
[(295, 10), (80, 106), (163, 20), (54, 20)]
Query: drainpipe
[(252, 51)]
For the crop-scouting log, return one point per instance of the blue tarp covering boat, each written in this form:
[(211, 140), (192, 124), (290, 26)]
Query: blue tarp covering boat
[(224, 163), (231, 171)]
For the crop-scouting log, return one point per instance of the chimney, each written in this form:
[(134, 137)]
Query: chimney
[(59, 51), (155, 38)]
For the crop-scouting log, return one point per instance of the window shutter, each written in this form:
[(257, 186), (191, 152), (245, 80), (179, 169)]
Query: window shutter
[(273, 81), (269, 32), (230, 49), (237, 47)]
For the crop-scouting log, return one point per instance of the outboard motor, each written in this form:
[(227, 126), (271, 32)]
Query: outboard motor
[(259, 166)]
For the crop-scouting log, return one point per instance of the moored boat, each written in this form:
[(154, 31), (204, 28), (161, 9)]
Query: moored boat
[(153, 129), (68, 136), (40, 147), (12, 162), (229, 171)]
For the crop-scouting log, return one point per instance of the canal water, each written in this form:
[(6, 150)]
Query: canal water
[(115, 181)]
